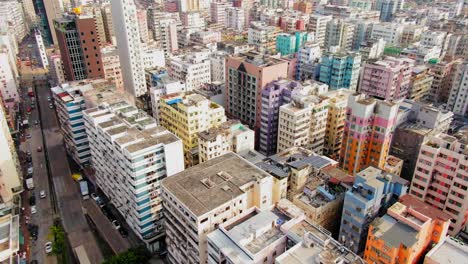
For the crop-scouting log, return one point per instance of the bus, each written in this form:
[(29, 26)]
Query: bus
[(81, 256)]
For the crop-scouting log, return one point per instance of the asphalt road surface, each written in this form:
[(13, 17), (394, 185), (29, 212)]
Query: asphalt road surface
[(45, 213)]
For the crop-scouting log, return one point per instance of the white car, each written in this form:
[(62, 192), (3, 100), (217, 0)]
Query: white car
[(33, 209), (116, 224), (51, 106), (42, 194), (49, 98), (48, 247), (30, 170), (95, 197)]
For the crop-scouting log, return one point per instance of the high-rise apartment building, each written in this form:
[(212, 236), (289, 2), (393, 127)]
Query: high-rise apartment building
[(165, 32), (56, 69), (107, 22), (8, 82), (11, 181), (124, 18), (218, 11), (78, 42), (303, 121), (339, 34), (111, 66), (191, 212), (230, 136), (337, 106), (440, 178), (163, 86), (405, 233), (368, 132), (390, 32), (340, 70), (263, 36), (458, 98), (275, 94), (235, 18), (318, 25), (444, 76), (420, 83), (417, 122), (194, 69), (246, 77), (13, 19), (308, 58), (131, 155), (387, 79), (373, 190), (187, 114)]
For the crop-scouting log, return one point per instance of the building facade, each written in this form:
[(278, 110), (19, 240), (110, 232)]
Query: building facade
[(132, 155), (340, 71), (440, 177), (368, 132)]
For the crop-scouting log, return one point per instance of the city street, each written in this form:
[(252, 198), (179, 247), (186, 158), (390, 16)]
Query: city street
[(45, 213)]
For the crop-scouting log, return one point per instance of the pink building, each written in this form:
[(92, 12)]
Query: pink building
[(246, 77), (171, 6), (387, 79), (441, 177)]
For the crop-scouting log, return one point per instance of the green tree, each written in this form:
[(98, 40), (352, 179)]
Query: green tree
[(138, 255), (58, 240)]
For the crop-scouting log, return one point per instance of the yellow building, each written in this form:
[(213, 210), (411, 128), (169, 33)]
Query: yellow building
[(187, 114), (337, 103)]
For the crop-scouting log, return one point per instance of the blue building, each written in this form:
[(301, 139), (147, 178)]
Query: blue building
[(373, 191), (340, 70)]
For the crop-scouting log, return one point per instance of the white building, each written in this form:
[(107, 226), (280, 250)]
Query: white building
[(131, 155), (433, 38), (230, 136), (458, 98), (308, 58), (8, 82), (235, 18), (12, 19), (41, 48), (303, 121), (255, 236), (165, 85), (390, 32), (218, 11), (124, 18), (339, 34), (218, 66), (165, 32), (11, 182), (194, 69), (318, 25), (153, 58), (70, 104), (193, 20), (201, 198), (56, 70)]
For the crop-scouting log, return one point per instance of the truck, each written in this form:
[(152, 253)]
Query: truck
[(84, 190), (30, 92), (30, 183), (81, 256)]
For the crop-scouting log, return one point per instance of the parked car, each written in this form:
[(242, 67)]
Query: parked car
[(100, 203), (28, 159), (30, 170), (33, 209), (95, 197), (51, 106), (123, 232), (48, 247), (32, 200), (42, 194), (116, 224), (28, 153), (39, 149), (49, 98), (36, 122), (28, 136)]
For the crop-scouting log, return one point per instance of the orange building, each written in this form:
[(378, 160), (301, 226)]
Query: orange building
[(403, 235), (368, 133), (303, 6)]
